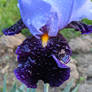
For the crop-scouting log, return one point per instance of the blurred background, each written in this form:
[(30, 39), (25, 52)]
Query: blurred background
[(81, 60)]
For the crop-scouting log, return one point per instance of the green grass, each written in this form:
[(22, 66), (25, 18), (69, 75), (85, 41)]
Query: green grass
[(70, 33), (9, 14)]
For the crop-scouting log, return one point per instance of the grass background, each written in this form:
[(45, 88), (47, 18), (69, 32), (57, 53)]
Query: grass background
[(9, 14)]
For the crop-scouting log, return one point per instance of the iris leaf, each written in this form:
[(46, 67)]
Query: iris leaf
[(13, 89), (4, 85), (68, 87), (76, 88)]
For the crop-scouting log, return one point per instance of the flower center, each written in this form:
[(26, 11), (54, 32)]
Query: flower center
[(44, 39)]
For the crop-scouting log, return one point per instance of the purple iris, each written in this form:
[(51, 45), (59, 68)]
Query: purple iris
[(47, 16)]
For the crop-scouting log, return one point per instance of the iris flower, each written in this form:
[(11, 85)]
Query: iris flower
[(42, 56)]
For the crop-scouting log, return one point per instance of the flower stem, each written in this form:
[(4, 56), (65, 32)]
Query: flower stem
[(46, 87), (28, 90), (33, 90), (55, 89)]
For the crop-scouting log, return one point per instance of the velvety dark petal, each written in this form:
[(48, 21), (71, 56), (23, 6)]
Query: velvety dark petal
[(88, 30), (33, 47), (79, 26), (25, 74), (14, 29), (31, 72), (36, 61), (58, 74)]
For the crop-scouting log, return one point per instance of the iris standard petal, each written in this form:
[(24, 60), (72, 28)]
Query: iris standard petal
[(55, 15), (35, 14), (38, 13), (63, 9), (82, 9)]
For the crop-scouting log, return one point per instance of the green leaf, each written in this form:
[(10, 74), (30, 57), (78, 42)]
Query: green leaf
[(68, 87), (13, 88), (46, 87), (76, 88), (23, 88), (4, 84), (19, 90)]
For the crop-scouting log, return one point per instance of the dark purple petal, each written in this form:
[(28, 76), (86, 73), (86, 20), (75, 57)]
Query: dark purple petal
[(36, 61), (33, 47), (88, 30), (25, 74), (79, 26), (47, 70), (14, 29), (58, 74)]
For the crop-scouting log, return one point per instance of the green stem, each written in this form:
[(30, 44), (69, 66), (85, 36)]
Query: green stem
[(4, 84), (55, 89), (28, 90), (33, 90), (46, 87)]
